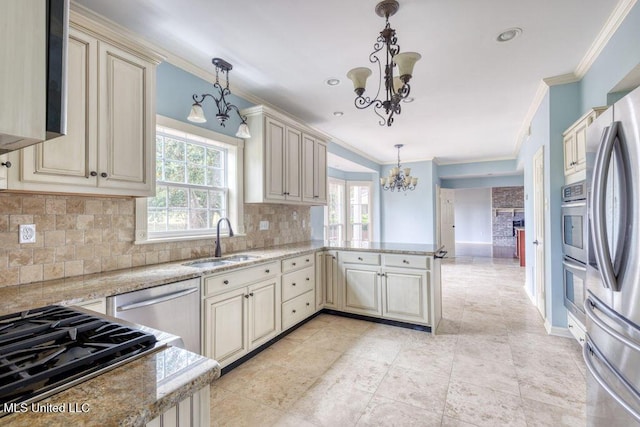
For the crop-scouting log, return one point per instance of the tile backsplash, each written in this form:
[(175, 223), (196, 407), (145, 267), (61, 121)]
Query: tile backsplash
[(78, 235)]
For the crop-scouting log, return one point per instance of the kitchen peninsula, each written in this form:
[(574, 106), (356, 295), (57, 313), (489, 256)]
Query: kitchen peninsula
[(392, 283)]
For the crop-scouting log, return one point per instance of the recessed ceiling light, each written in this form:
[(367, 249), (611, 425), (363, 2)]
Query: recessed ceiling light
[(332, 81), (338, 113), (408, 99), (509, 34)]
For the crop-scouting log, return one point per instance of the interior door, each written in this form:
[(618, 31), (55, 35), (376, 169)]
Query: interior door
[(447, 220), (538, 230)]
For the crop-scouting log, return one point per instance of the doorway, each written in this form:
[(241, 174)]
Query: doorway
[(447, 220)]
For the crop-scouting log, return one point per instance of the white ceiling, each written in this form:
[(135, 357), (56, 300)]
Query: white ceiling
[(471, 92)]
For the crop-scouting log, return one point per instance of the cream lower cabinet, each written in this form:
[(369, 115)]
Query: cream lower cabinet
[(298, 289), (4, 171), (191, 411), (109, 145), (239, 320), (327, 280), (390, 286)]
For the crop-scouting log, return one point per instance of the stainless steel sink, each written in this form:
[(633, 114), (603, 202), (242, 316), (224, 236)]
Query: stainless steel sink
[(208, 263), (217, 262), (241, 258)]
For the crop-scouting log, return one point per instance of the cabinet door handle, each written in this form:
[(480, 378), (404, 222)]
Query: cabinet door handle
[(306, 260), (250, 294), (6, 164), (293, 284), (246, 296), (93, 173), (570, 326), (308, 304), (226, 282), (308, 279), (104, 174), (293, 311)]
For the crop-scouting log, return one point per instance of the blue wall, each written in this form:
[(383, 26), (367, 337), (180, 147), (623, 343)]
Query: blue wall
[(173, 98), (483, 182)]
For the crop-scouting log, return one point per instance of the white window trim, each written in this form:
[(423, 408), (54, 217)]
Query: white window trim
[(235, 176), (343, 220)]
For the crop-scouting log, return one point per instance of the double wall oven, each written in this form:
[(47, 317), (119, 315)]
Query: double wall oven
[(575, 240)]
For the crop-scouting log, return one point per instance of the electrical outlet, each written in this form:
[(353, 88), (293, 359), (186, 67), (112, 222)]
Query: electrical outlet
[(27, 233), (264, 225)]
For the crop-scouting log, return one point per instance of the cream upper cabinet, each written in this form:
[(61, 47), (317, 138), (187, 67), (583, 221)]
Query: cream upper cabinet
[(314, 179), (284, 161), (108, 148), (575, 142), (23, 52)]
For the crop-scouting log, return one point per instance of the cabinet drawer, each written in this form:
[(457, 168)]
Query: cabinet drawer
[(360, 258), (576, 329), (297, 263), (241, 277), (407, 261), (297, 283), (297, 309)]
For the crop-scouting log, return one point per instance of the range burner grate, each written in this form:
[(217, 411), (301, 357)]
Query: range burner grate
[(45, 348)]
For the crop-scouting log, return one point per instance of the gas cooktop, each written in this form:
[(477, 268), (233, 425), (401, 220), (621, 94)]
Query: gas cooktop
[(44, 350)]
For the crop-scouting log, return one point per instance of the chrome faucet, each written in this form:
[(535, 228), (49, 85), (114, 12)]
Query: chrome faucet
[(218, 251)]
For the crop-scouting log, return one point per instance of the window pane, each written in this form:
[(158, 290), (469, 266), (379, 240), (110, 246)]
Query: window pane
[(216, 198), (173, 171), (215, 177), (160, 200), (198, 219), (174, 149), (196, 175), (195, 154), (177, 197), (215, 217), (159, 146), (157, 220), (199, 199), (177, 219), (214, 158)]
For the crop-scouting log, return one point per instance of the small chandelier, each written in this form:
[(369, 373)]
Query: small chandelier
[(224, 107), (396, 86), (399, 179)]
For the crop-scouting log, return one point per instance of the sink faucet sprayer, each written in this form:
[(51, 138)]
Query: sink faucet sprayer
[(218, 251)]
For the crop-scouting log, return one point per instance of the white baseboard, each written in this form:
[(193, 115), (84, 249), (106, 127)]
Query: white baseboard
[(557, 331), (531, 297)]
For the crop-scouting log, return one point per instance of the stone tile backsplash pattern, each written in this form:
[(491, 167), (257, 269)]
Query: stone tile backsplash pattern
[(504, 242), (78, 235)]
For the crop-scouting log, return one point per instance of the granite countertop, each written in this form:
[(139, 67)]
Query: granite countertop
[(74, 290), (130, 395)]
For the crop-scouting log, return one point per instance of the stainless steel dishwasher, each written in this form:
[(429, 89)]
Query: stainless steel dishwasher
[(173, 308)]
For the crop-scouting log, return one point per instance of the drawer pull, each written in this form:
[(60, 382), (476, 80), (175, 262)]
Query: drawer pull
[(360, 258), (308, 304), (293, 311), (267, 271), (293, 284), (404, 261), (570, 325), (306, 260), (308, 279), (293, 263), (226, 282)]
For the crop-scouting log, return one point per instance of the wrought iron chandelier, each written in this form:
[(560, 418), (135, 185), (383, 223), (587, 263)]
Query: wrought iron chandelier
[(399, 179), (224, 107), (396, 85)]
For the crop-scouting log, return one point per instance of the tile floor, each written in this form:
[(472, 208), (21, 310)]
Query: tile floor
[(491, 364)]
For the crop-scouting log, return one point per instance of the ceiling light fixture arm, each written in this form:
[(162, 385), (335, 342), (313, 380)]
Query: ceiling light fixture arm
[(396, 87)]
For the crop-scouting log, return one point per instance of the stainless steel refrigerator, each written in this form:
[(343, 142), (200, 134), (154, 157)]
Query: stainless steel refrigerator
[(612, 304)]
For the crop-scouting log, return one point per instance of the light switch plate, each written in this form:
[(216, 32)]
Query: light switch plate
[(27, 233), (264, 225)]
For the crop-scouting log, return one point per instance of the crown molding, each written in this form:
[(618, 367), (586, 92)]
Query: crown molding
[(442, 162), (525, 128), (562, 79), (616, 18)]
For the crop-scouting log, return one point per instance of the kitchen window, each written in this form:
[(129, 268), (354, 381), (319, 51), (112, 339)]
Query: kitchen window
[(348, 211), (196, 184)]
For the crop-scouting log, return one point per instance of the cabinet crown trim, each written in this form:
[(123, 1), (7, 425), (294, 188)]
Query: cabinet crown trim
[(287, 120)]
